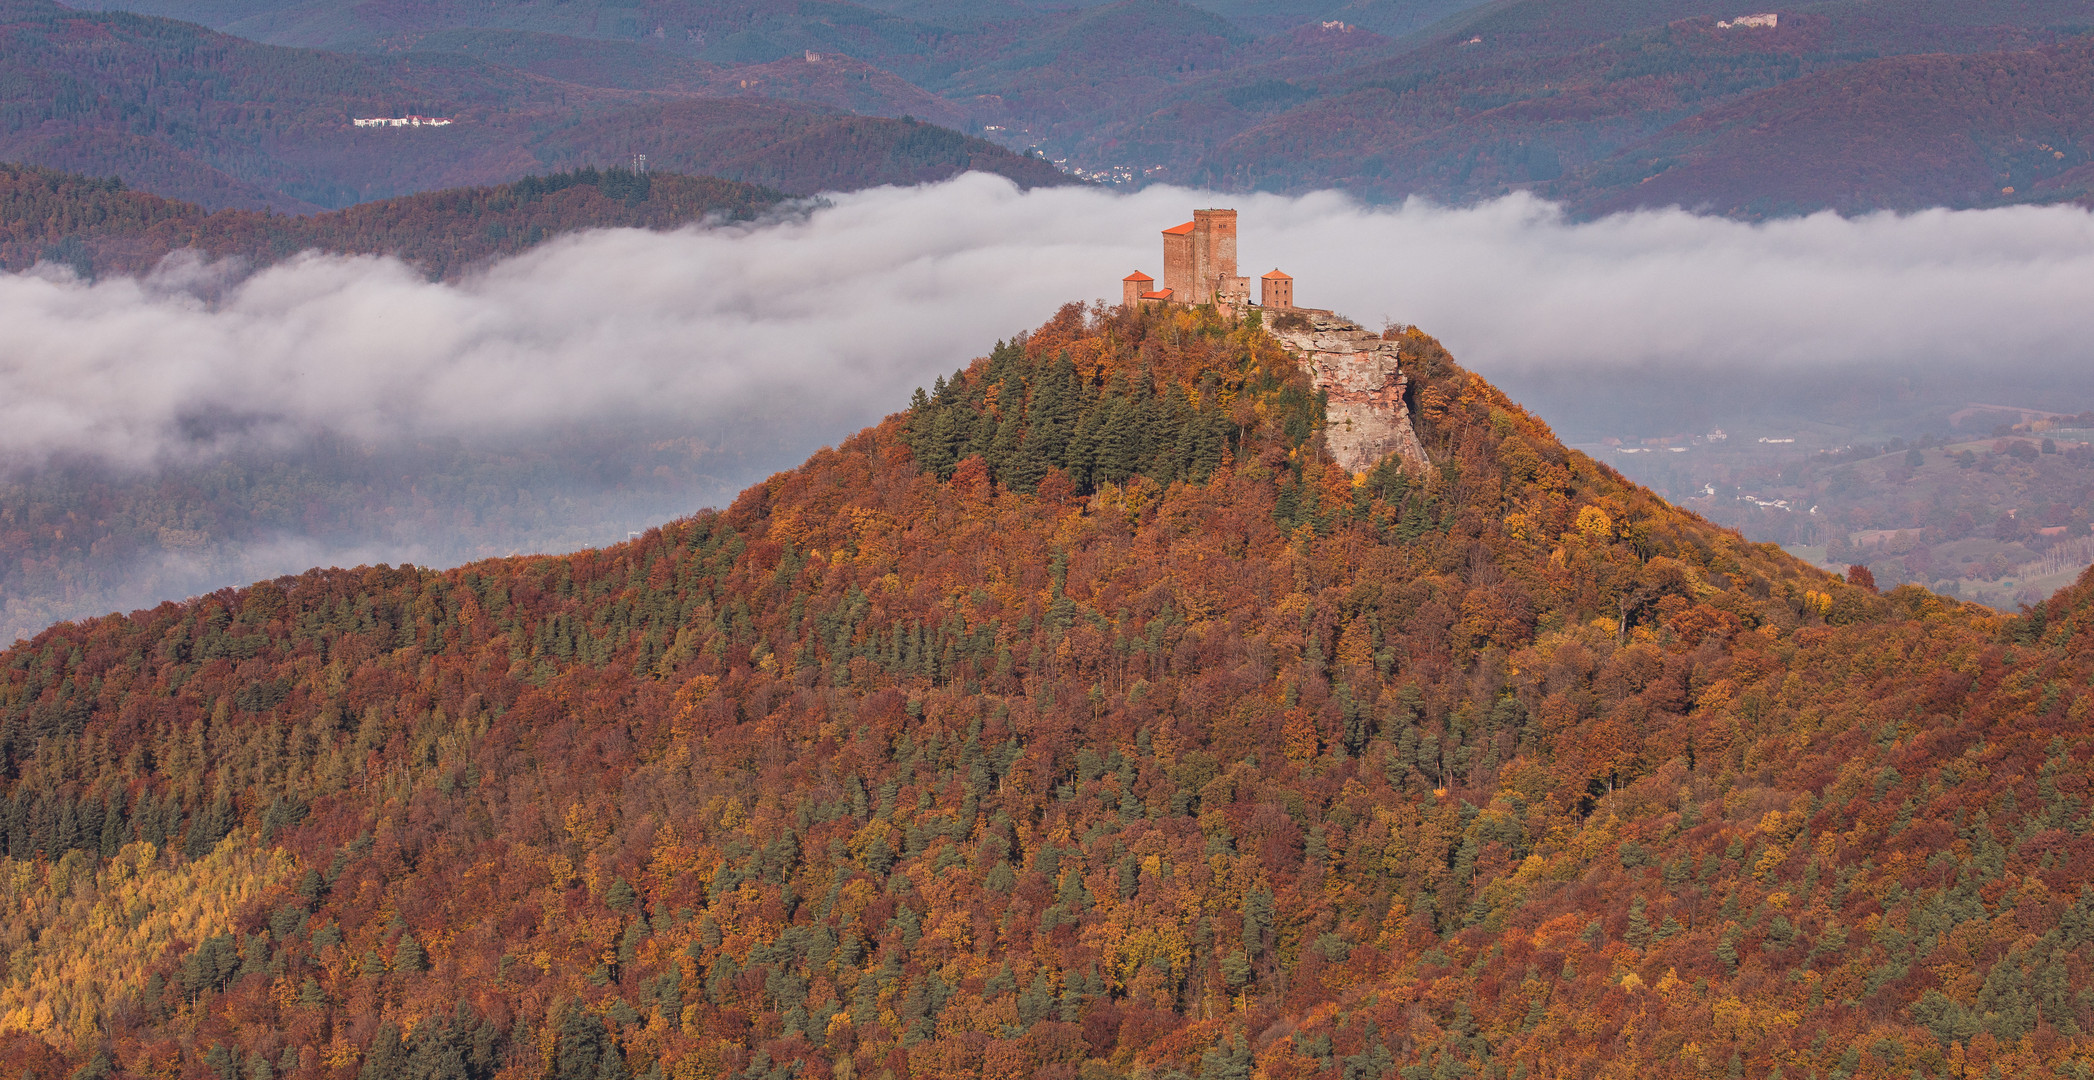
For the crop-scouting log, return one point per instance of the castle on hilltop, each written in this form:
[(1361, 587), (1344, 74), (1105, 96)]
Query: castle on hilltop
[(1199, 267), (1367, 410)]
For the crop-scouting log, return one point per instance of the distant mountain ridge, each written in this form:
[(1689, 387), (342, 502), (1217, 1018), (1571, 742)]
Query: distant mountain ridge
[(1989, 129), (194, 114), (1583, 102), (97, 226), (1578, 103)]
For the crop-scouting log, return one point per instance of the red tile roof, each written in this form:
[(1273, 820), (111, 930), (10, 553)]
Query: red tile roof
[(1137, 276), (1277, 274), (1160, 294), (1180, 230)]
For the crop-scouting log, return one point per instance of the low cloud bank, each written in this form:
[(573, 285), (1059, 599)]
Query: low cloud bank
[(805, 329), (1515, 286)]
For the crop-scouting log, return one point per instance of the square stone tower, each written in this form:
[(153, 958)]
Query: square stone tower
[(1135, 286), (1276, 291), (1213, 252), (1199, 261)]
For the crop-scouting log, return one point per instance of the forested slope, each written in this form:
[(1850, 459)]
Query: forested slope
[(1927, 131), (98, 226), (1609, 107), (796, 148), (1081, 721)]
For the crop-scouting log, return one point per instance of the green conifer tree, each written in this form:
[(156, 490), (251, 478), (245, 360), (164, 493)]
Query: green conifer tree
[(1226, 1061), (1639, 931), (1257, 911), (580, 1046), (408, 955), (386, 1057)]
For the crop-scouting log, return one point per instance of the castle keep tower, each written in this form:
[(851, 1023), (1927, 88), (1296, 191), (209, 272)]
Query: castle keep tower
[(1214, 256), (1199, 260), (1199, 267)]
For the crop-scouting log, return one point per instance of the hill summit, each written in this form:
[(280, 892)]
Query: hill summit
[(1084, 720)]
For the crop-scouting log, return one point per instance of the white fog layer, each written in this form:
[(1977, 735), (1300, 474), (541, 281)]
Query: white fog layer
[(823, 324)]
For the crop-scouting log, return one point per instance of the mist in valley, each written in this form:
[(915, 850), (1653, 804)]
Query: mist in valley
[(205, 426)]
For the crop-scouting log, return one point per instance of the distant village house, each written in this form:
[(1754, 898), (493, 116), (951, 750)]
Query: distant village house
[(401, 121)]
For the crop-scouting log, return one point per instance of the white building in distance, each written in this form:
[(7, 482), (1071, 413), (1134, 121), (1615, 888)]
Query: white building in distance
[(402, 121)]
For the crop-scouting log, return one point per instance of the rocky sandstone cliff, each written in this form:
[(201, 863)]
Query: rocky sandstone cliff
[(1368, 417)]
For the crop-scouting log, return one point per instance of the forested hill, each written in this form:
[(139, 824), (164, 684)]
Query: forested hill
[(1936, 130), (1081, 721), (97, 226)]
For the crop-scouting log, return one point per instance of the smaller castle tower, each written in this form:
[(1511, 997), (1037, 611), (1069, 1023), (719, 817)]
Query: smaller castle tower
[(1276, 291), (1134, 286)]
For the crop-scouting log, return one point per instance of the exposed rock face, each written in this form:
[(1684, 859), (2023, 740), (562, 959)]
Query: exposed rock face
[(1368, 418)]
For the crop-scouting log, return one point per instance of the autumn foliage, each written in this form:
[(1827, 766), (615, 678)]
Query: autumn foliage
[(931, 759)]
